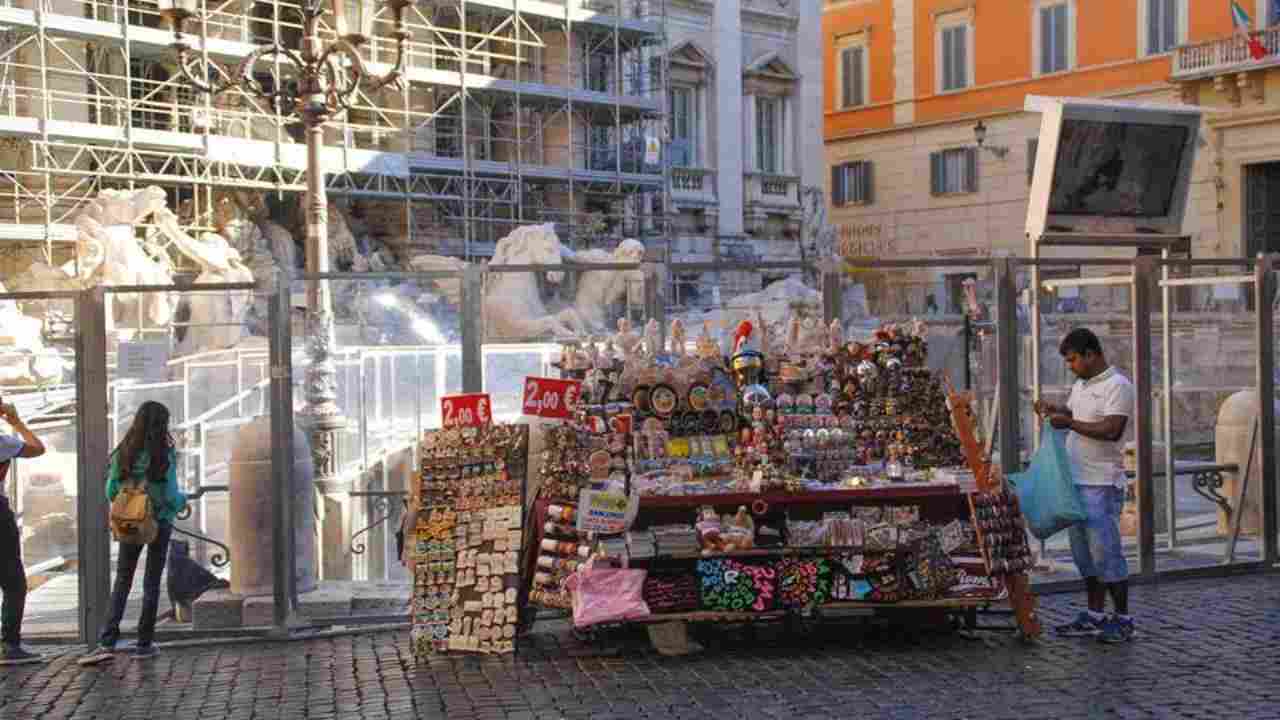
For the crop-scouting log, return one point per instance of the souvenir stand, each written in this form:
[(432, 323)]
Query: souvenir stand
[(468, 533), (825, 476)]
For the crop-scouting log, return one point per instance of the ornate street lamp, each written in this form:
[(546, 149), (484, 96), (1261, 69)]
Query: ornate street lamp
[(328, 73)]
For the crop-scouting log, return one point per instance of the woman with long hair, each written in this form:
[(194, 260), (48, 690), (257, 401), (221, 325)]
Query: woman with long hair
[(145, 457)]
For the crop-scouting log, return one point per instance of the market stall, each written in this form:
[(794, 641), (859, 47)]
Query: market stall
[(736, 483)]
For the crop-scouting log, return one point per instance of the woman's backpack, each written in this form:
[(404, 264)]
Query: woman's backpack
[(133, 520)]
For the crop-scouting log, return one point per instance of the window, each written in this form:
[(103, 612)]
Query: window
[(953, 171), (684, 127), (1053, 37), (1163, 25), (955, 58), (853, 76), (768, 134), (1033, 147), (851, 184)]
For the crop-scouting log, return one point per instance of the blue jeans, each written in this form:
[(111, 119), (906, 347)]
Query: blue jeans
[(126, 566), (1095, 544)]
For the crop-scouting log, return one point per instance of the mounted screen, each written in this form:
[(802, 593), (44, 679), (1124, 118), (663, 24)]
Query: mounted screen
[(1117, 169)]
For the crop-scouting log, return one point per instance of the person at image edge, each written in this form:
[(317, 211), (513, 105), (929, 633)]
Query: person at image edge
[(13, 576), (1096, 415)]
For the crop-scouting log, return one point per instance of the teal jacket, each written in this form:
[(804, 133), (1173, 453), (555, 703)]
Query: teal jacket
[(166, 499)]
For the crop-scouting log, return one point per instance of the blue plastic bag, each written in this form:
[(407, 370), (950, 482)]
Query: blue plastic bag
[(1046, 491)]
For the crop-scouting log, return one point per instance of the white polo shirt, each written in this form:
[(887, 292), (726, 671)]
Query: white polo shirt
[(1099, 462), (10, 446)]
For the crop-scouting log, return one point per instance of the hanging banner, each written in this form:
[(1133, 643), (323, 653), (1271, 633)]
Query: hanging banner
[(550, 397), (606, 513), (469, 410)]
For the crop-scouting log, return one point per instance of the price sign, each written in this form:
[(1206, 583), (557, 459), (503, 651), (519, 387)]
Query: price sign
[(472, 409), (550, 397)]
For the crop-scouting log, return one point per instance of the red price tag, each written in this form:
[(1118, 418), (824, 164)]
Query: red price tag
[(550, 397), (473, 409)]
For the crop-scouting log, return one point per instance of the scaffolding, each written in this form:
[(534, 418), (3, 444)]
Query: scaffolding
[(514, 112)]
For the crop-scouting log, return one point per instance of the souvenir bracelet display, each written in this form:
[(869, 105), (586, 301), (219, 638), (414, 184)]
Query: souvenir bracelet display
[(467, 541)]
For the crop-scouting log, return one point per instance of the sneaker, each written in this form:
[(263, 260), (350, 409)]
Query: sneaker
[(15, 655), (142, 652), (100, 654), (1117, 630), (1083, 626)]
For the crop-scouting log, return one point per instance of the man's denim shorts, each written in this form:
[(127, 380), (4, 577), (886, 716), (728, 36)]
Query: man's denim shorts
[(1095, 544)]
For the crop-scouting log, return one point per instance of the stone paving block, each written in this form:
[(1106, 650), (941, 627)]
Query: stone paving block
[(217, 609), (327, 600), (258, 610)]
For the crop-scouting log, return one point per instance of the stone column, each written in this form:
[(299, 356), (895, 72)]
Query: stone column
[(806, 100), (727, 28)]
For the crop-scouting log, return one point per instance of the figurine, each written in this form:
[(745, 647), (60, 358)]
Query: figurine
[(793, 335), (627, 339), (652, 338), (707, 347), (677, 338), (710, 531), (835, 336)]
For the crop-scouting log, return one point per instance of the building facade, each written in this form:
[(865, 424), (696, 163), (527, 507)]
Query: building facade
[(745, 108), (930, 153), (512, 113)]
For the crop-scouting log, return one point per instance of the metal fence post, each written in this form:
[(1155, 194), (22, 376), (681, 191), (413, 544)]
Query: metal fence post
[(1144, 270), (832, 300), (1008, 397), (1265, 289), (92, 447), (472, 329), (280, 350)]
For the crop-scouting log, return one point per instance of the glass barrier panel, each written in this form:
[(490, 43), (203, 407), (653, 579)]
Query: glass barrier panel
[(719, 300), (39, 370), (397, 352), (202, 354), (543, 306), (1107, 311), (1212, 365)]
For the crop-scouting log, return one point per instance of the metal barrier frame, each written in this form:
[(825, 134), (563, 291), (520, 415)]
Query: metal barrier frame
[(95, 431)]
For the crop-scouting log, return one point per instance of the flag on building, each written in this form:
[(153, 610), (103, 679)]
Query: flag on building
[(1244, 26)]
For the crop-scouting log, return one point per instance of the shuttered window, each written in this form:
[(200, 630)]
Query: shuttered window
[(1162, 26), (852, 92), (1055, 38), (955, 57), (953, 171), (852, 184)]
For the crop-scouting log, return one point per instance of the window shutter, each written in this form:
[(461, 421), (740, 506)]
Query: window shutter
[(868, 186), (1033, 146), (846, 77), (962, 56), (837, 185), (936, 173), (855, 68), (1061, 26), (1046, 39), (1153, 25), (1170, 24), (971, 170), (948, 66)]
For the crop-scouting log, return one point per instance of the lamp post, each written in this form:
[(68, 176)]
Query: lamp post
[(328, 73)]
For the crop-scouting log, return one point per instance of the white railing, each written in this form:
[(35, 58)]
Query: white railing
[(1225, 54)]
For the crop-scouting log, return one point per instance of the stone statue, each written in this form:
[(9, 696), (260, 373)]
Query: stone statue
[(818, 235), (449, 288), (24, 359), (108, 252), (652, 338), (599, 289), (513, 306)]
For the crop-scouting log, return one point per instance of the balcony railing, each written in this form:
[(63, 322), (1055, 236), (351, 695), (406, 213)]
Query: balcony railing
[(1226, 54), (767, 189)]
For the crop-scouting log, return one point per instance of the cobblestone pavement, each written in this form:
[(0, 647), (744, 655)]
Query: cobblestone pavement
[(1209, 649)]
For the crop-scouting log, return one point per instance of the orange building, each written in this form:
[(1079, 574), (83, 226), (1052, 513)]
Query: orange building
[(928, 146)]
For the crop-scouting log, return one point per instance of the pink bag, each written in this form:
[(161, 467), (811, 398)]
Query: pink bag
[(602, 595)]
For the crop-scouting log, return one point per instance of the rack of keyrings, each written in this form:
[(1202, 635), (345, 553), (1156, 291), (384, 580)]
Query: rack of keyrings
[(469, 496)]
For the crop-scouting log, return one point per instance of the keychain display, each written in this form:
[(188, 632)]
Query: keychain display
[(468, 538), (1001, 531)]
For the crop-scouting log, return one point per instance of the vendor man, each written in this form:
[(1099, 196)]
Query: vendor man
[(1096, 415)]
